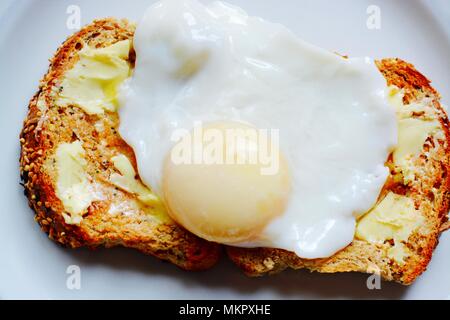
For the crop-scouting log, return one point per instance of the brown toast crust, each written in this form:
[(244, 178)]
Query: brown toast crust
[(430, 192), (48, 125)]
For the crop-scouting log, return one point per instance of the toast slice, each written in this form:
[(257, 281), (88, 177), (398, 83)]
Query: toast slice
[(68, 153), (397, 237)]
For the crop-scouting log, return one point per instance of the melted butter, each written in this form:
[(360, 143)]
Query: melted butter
[(93, 81), (127, 181), (73, 187), (412, 131), (395, 98), (398, 252), (394, 218), (419, 109), (41, 104)]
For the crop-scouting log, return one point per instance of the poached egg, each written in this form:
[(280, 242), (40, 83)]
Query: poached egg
[(251, 136)]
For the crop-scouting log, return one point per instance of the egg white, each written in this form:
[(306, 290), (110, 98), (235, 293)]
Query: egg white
[(336, 127)]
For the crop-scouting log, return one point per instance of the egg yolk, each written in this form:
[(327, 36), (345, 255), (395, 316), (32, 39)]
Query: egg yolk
[(229, 200)]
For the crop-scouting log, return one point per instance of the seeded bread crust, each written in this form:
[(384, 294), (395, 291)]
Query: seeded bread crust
[(429, 190), (48, 125)]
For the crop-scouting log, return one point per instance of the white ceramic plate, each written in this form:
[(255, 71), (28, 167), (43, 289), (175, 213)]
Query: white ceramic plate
[(31, 266)]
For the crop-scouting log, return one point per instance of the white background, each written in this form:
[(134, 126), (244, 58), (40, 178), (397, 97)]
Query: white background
[(31, 266)]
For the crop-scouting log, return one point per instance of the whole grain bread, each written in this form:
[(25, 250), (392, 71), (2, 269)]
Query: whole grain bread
[(48, 125), (429, 189)]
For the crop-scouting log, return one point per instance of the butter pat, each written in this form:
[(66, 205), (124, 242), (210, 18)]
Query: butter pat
[(421, 108), (73, 186), (127, 181), (395, 97), (412, 130), (93, 81), (412, 134), (398, 252), (41, 104), (394, 218)]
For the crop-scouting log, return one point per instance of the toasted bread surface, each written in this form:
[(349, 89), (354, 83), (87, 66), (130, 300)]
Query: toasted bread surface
[(429, 189), (49, 125)]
